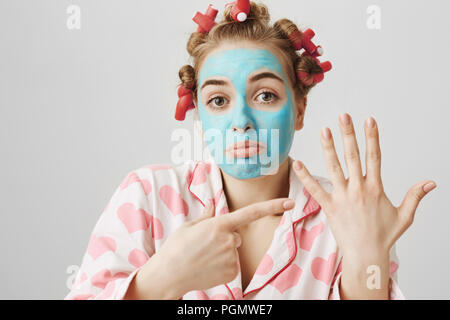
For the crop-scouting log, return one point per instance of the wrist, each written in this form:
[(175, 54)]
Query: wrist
[(365, 253), (155, 280), (364, 272), (362, 263)]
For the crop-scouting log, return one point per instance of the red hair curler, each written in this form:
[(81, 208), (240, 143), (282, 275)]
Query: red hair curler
[(205, 21), (185, 102), (296, 39), (305, 78), (308, 45), (308, 79), (303, 40), (240, 10)]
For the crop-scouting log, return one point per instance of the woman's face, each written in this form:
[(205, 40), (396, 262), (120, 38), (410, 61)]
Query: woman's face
[(247, 110)]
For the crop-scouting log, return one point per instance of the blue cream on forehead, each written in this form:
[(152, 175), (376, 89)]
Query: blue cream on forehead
[(236, 65)]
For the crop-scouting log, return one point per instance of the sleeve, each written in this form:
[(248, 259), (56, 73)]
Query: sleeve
[(394, 291), (120, 244)]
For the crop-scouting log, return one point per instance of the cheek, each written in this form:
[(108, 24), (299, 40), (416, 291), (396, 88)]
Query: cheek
[(214, 126), (214, 122), (206, 118), (282, 120)]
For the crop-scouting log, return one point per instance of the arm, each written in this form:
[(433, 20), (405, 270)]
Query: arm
[(120, 244), (154, 283), (372, 283)]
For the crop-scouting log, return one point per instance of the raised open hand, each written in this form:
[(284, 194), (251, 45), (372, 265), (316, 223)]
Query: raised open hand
[(361, 216)]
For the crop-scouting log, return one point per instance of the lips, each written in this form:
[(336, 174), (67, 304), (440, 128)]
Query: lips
[(245, 149)]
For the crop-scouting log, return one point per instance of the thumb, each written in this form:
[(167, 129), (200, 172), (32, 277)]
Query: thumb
[(414, 195)]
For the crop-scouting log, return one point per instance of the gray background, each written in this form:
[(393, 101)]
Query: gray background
[(81, 108)]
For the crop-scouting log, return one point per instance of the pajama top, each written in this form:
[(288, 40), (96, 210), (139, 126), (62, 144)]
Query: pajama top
[(302, 262)]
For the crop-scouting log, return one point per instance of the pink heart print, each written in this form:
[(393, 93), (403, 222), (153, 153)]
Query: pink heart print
[(85, 296), (201, 295), (265, 265), (137, 258), (288, 278), (393, 266), (138, 219), (101, 278), (99, 245), (201, 173), (133, 219), (307, 238), (217, 197), (188, 176), (173, 200), (157, 228), (311, 205), (322, 269), (146, 186), (237, 293), (131, 178), (224, 210), (157, 167)]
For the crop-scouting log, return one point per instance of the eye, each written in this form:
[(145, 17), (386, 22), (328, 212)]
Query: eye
[(267, 97), (217, 102)]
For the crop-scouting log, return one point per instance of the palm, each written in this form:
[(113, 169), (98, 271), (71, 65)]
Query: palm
[(359, 212)]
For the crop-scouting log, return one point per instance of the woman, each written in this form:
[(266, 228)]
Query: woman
[(252, 223)]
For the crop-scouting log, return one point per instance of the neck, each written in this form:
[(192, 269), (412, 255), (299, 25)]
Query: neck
[(241, 193)]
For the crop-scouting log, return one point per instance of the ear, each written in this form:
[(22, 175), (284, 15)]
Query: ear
[(300, 112)]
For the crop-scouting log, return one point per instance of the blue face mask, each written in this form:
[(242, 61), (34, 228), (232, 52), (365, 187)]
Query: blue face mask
[(274, 126)]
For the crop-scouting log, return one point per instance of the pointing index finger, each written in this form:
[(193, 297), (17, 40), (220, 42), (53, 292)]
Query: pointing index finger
[(255, 211)]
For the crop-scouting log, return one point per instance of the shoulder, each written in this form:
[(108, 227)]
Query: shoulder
[(165, 169), (158, 174), (177, 176)]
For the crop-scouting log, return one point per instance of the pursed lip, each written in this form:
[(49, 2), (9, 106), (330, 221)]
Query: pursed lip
[(245, 149)]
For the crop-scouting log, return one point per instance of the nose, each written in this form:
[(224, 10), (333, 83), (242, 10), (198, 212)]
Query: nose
[(239, 129), (241, 120)]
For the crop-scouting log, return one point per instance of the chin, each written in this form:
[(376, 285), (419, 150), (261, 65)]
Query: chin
[(246, 171)]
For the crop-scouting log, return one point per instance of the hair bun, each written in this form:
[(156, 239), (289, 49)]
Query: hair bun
[(187, 76)]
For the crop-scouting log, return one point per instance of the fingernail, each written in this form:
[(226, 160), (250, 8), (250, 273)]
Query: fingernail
[(370, 123), (345, 119), (298, 165), (289, 204), (429, 186), (326, 133)]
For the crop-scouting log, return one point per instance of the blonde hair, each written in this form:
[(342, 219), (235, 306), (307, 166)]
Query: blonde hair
[(257, 29)]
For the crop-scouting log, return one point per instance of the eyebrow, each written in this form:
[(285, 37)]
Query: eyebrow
[(263, 75), (254, 78), (213, 82)]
